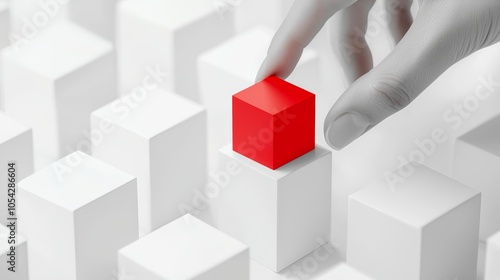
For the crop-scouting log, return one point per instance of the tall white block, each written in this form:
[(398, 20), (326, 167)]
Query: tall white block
[(343, 271), (97, 16), (76, 214), (249, 14), (54, 83), (19, 264), (414, 224), (280, 214), (4, 24), (168, 33), (492, 271), (185, 249), (160, 139), (232, 67), (16, 145), (476, 164)]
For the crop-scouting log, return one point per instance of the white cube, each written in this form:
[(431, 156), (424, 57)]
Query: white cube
[(492, 271), (30, 18), (414, 224), (476, 164), (343, 271), (185, 249), (4, 24), (97, 16), (249, 14), (54, 83), (13, 255), (76, 214), (161, 139), (232, 67), (168, 33), (280, 214), (16, 146)]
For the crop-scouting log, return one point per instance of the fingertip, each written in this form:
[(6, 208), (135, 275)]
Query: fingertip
[(344, 129), (261, 74)]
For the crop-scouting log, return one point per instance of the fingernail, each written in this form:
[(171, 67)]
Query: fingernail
[(345, 129)]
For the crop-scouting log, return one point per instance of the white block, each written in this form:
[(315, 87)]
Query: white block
[(4, 38), (185, 249), (4, 24), (476, 164), (232, 67), (30, 18), (65, 74), (493, 258), (19, 270), (76, 214), (97, 16), (344, 272), (423, 226), (16, 145), (249, 14), (160, 139), (168, 33), (280, 214)]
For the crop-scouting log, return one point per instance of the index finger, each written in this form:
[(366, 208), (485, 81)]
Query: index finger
[(303, 22)]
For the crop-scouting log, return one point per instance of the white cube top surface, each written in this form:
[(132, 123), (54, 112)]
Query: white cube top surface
[(170, 13), (485, 136), (344, 272), (73, 187), (183, 249), (158, 112), (423, 197), (4, 234), (9, 128), (60, 49), (282, 171), (243, 54)]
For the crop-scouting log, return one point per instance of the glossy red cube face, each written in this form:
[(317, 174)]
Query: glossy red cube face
[(273, 122)]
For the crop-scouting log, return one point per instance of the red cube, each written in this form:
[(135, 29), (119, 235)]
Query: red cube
[(273, 122)]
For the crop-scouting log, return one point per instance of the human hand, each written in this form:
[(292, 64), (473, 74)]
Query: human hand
[(443, 33)]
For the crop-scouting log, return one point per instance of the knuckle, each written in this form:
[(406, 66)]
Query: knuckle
[(390, 95)]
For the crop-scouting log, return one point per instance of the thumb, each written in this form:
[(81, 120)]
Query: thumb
[(443, 33)]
